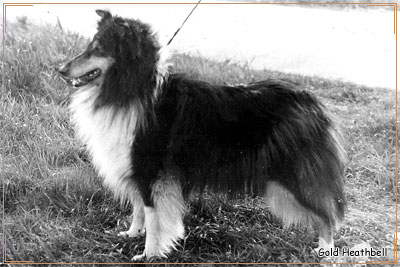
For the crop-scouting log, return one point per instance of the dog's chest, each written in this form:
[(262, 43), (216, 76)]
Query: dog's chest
[(108, 134)]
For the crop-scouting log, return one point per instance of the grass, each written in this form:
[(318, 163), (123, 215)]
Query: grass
[(57, 211)]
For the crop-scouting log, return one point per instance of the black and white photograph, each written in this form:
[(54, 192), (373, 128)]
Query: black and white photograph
[(199, 132)]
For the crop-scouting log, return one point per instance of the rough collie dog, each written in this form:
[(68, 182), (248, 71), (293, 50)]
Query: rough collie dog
[(156, 138)]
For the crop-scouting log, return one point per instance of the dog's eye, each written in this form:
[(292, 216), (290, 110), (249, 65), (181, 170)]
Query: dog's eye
[(98, 47)]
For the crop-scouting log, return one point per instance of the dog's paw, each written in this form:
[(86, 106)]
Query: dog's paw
[(124, 234), (139, 257), (132, 233), (149, 257)]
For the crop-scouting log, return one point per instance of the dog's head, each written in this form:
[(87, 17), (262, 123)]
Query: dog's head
[(121, 59)]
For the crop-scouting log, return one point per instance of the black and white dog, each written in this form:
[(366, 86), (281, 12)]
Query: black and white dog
[(157, 137)]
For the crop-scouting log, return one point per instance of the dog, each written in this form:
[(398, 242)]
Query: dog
[(157, 138)]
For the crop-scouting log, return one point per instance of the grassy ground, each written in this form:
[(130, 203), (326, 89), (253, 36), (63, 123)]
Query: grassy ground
[(57, 211)]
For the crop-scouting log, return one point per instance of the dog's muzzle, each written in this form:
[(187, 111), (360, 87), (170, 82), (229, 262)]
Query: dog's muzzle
[(79, 81)]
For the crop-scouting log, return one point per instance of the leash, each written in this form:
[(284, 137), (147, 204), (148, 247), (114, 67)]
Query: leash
[(172, 38)]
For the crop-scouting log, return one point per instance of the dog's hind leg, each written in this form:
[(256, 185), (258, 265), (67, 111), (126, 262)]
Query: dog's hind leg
[(138, 218), (284, 205), (325, 240), (163, 220)]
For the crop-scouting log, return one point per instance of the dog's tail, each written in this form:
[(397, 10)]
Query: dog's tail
[(309, 188)]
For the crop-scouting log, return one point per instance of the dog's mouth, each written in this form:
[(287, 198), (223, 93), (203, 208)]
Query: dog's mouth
[(84, 79)]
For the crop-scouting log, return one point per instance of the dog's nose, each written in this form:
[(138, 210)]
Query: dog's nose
[(63, 69)]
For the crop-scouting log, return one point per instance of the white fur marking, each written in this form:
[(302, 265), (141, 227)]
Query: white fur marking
[(162, 69), (163, 222), (137, 226), (108, 135), (285, 206), (256, 92)]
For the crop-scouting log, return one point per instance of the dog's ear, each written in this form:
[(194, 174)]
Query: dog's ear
[(104, 14)]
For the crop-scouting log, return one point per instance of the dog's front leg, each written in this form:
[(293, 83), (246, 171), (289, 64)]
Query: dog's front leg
[(163, 219), (137, 226), (161, 193), (154, 246)]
